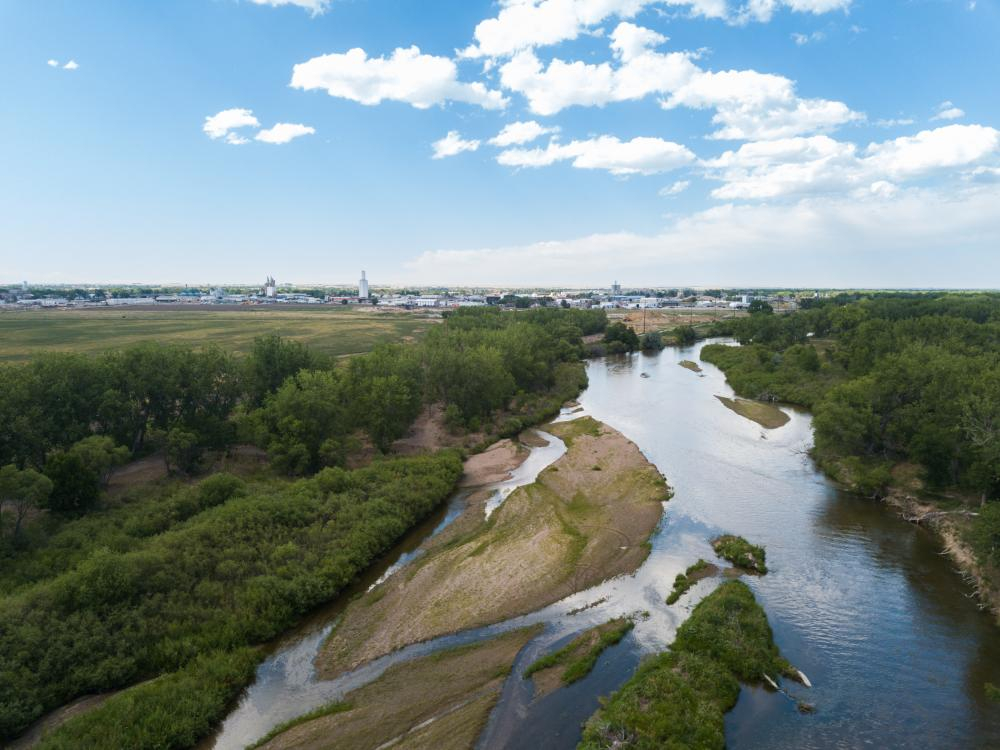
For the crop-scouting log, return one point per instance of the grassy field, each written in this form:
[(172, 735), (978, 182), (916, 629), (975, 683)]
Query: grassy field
[(667, 319), (336, 331)]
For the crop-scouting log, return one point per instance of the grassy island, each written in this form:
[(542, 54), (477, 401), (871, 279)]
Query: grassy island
[(679, 698)]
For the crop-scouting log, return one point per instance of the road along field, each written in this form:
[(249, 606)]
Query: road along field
[(585, 519), (335, 330)]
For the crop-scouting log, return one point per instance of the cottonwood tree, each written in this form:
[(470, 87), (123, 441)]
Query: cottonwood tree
[(23, 490)]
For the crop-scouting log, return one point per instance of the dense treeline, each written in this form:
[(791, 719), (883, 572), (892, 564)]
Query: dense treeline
[(100, 594), (305, 410), (890, 379)]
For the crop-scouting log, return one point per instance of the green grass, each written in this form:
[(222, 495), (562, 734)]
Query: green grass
[(318, 713), (686, 580), (173, 711), (579, 656), (570, 431), (336, 331), (741, 553), (679, 699)]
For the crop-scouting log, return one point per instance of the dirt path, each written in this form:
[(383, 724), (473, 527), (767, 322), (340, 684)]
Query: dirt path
[(585, 519), (437, 702)]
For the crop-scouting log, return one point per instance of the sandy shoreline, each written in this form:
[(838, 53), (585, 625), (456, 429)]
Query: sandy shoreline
[(437, 702), (587, 518)]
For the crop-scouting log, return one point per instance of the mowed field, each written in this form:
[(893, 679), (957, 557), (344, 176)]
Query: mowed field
[(338, 331)]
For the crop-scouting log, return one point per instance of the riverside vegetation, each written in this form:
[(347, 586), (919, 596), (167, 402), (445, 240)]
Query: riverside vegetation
[(174, 579), (905, 392), (576, 659), (679, 698)]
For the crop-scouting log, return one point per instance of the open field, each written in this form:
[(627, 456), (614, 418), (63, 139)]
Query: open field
[(667, 319), (585, 519), (337, 331)]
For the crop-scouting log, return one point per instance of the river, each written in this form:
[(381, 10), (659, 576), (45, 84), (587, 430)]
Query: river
[(862, 602)]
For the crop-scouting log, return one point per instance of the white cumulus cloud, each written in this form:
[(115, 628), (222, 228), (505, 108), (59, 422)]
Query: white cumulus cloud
[(71, 65), (748, 105), (525, 24), (452, 145), (820, 164), (948, 111), (518, 133), (405, 76), (637, 156), (219, 125), (53, 63), (283, 132)]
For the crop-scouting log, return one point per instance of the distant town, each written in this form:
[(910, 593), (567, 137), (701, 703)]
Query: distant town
[(28, 296)]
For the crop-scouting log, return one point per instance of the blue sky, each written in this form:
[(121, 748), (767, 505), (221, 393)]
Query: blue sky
[(708, 142)]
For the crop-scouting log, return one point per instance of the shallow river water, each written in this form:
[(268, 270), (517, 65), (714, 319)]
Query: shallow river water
[(862, 602)]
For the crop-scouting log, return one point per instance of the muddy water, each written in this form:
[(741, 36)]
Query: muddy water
[(862, 602)]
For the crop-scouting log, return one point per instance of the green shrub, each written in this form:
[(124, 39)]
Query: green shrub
[(172, 711), (741, 553)]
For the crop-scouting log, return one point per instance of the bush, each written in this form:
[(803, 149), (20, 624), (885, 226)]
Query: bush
[(235, 574), (740, 553), (75, 486), (620, 338), (685, 335), (652, 341), (183, 451), (172, 711)]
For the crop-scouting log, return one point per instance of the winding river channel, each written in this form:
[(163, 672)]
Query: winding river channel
[(862, 602)]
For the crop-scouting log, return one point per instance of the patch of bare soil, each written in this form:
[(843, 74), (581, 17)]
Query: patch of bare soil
[(494, 464), (532, 439), (240, 460), (767, 416), (439, 702), (141, 471), (429, 433), (587, 518)]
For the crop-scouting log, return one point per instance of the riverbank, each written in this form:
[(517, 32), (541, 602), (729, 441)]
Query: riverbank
[(949, 517), (585, 519), (436, 702)]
